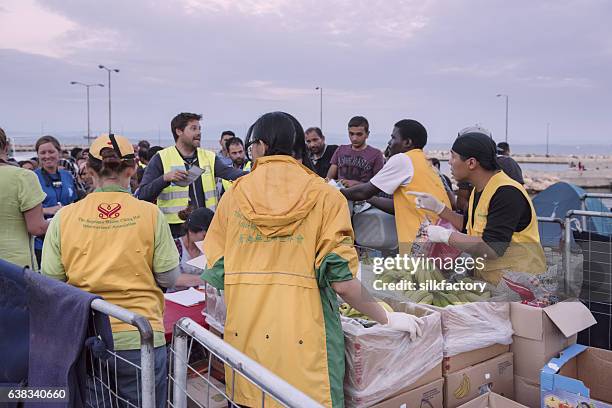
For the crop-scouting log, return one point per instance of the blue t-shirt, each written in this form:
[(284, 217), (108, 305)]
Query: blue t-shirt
[(59, 188)]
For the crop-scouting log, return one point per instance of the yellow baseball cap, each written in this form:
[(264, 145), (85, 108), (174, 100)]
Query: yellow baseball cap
[(120, 144)]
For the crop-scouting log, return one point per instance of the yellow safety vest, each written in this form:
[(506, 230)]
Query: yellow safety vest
[(525, 253), (227, 184), (408, 218), (107, 244), (174, 198)]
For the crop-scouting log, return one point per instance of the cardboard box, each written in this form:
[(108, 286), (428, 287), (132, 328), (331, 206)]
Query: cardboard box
[(526, 392), (382, 363), (197, 389), (492, 375), (541, 333), (579, 377), (492, 400), (428, 395), (470, 358)]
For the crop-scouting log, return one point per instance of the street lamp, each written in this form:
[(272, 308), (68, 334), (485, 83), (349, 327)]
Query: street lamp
[(498, 95), (87, 86), (109, 70), (320, 89)]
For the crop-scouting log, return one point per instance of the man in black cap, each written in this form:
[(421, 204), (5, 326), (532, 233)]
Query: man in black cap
[(500, 223)]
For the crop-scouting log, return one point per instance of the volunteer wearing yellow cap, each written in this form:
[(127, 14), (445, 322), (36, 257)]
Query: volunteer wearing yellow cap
[(281, 245), (500, 223), (406, 170), (120, 248)]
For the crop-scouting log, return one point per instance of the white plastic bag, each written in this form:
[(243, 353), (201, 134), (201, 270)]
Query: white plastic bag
[(215, 310), (380, 361), (472, 326)]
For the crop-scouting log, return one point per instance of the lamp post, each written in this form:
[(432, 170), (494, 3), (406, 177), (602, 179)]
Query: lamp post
[(547, 135), (87, 86), (498, 95), (109, 70), (320, 89)]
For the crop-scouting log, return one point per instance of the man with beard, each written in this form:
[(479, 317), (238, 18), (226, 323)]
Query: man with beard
[(235, 151), (320, 153), (164, 179)]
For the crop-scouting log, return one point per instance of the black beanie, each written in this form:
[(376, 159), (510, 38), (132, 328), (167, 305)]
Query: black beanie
[(479, 146)]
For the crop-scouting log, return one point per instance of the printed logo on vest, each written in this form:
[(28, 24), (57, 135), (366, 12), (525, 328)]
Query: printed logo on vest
[(107, 210)]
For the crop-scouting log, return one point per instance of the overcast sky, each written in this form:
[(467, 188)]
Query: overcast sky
[(439, 62)]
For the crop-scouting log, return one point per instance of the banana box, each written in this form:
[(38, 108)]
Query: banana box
[(578, 378), (492, 400), (496, 375)]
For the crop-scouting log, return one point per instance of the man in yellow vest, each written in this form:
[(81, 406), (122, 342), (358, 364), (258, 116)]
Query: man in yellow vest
[(168, 169), (406, 170), (235, 151), (500, 223)]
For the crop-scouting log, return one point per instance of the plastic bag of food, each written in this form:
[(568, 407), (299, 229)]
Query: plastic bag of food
[(380, 362), (215, 310), (425, 248), (472, 326)]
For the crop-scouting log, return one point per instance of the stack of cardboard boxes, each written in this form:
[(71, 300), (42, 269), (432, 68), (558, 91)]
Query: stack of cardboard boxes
[(539, 335), (470, 374)]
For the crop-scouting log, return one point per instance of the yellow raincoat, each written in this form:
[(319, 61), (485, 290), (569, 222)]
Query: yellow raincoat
[(279, 238)]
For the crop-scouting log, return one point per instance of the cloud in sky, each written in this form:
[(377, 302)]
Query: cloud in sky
[(436, 61)]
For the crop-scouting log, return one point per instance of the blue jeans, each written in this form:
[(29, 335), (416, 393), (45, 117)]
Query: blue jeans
[(127, 379)]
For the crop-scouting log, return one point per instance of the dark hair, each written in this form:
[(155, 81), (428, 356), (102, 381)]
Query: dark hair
[(503, 147), (357, 121), (152, 151), (181, 120), (144, 144), (143, 154), (412, 130), (110, 164), (196, 220), (316, 130), (3, 139), (75, 152), (227, 132), (435, 162), (22, 162), (276, 130), (233, 141), (48, 139), (299, 145)]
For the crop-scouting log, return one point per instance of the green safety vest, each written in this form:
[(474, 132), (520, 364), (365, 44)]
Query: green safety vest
[(227, 184), (174, 198)]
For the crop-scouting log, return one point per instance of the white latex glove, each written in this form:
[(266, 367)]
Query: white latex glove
[(427, 202), (405, 322), (438, 234)]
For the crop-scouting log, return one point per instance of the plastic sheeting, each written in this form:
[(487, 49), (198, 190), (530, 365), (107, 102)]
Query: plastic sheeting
[(380, 361), (474, 325), (215, 310)]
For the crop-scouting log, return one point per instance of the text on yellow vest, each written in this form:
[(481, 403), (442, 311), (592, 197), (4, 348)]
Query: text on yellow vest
[(107, 245)]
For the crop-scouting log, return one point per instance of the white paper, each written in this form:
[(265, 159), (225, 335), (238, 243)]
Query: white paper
[(188, 297), (193, 173), (198, 262)]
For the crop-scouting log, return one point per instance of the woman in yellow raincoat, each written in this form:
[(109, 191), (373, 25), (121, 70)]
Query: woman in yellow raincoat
[(281, 246)]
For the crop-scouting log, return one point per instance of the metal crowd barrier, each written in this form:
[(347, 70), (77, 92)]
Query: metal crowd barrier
[(103, 389), (191, 385), (597, 274)]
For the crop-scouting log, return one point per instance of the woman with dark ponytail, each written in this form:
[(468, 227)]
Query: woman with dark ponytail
[(121, 248)]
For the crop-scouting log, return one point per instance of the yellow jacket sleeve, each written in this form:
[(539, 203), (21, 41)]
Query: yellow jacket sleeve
[(336, 258), (214, 244)]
